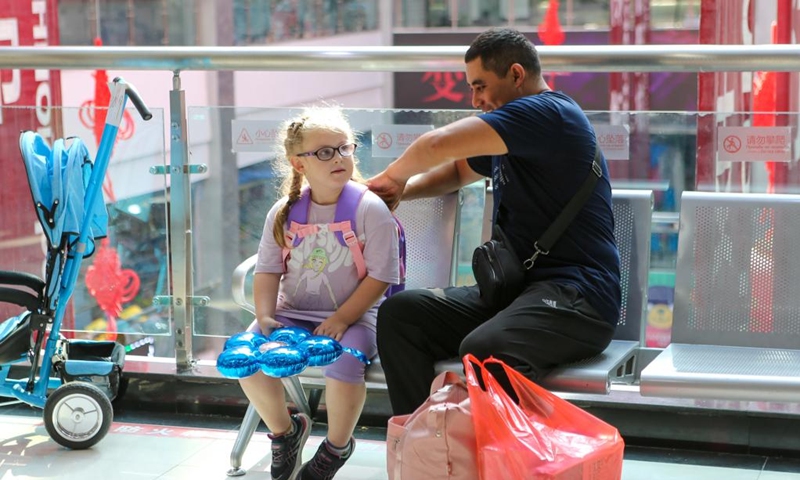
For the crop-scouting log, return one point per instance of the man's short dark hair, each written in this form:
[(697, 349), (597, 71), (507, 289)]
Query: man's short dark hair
[(499, 48)]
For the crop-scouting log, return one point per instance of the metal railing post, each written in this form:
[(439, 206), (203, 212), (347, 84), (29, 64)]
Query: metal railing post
[(180, 230)]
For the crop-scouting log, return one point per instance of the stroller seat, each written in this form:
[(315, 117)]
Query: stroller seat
[(15, 336), (15, 333)]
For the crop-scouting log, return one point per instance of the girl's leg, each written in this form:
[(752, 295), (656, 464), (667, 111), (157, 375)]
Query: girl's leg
[(269, 399), (344, 402), (345, 391), (266, 393)]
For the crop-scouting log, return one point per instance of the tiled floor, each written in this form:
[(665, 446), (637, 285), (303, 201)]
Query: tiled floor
[(141, 450)]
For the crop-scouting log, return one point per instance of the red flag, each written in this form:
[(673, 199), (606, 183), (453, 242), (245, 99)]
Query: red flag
[(765, 100), (102, 97), (550, 31)]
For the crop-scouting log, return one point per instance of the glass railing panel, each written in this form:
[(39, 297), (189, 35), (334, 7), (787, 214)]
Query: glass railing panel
[(645, 150), (131, 264), (653, 151), (230, 204)]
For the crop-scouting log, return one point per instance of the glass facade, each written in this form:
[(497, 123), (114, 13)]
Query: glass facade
[(238, 22), (572, 14)]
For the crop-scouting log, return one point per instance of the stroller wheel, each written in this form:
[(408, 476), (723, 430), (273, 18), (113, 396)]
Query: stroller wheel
[(77, 415)]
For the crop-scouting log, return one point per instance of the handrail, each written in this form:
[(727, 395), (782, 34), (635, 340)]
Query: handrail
[(589, 58)]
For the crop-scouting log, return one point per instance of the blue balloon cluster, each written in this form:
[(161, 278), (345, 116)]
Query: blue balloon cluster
[(285, 352)]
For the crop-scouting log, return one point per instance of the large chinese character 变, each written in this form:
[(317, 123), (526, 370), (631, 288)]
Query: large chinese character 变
[(444, 84)]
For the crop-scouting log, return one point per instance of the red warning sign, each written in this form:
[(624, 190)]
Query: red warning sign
[(383, 140)]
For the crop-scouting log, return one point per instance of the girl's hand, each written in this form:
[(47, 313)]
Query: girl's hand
[(332, 328), (268, 324)]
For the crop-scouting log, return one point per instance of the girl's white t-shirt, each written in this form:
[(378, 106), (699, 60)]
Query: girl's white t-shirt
[(320, 274)]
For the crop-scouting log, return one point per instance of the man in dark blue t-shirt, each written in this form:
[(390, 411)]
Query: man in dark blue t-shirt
[(537, 146)]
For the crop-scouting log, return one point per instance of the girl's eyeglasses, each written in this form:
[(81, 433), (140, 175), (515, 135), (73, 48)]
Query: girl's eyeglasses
[(326, 153)]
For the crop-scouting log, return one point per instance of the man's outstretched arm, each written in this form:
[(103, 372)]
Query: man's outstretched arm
[(441, 181), (442, 148)]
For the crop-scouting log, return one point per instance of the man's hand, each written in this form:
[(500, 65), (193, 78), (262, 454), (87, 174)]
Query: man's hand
[(388, 188), (332, 327)]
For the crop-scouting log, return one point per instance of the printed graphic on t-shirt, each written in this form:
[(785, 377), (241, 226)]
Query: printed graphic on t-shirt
[(499, 179), (322, 264), (499, 175)]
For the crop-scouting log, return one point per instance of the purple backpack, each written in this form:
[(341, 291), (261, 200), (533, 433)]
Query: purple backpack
[(343, 227)]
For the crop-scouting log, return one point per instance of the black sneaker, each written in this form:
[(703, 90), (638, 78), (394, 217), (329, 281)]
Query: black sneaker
[(287, 449), (325, 463)]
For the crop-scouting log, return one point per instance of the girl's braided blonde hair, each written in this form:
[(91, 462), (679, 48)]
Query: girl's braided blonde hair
[(292, 137)]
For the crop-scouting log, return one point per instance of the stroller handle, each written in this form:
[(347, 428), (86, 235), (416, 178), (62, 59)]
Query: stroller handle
[(131, 92)]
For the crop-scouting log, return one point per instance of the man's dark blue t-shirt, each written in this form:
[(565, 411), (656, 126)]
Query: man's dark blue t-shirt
[(551, 145)]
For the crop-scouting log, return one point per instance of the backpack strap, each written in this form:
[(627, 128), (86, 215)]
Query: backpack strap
[(346, 209)]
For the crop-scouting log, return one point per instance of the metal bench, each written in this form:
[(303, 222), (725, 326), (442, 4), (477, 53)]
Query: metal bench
[(632, 218), (632, 215), (736, 322)]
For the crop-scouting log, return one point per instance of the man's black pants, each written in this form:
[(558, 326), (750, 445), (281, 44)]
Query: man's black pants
[(547, 325)]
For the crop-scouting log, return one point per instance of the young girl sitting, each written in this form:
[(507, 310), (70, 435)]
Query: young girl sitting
[(318, 287)]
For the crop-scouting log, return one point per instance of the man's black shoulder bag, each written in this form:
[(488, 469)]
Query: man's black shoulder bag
[(497, 269)]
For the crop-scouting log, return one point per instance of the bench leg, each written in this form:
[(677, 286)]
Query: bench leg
[(295, 391), (249, 425), (251, 419), (314, 397)]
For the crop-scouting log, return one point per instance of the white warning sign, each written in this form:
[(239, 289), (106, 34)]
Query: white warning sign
[(754, 144), (392, 140), (614, 141), (254, 135)]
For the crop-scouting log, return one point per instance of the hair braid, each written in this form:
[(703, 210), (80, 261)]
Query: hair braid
[(283, 214)]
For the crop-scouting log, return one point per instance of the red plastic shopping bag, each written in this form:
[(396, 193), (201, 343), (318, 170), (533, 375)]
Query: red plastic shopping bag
[(543, 437)]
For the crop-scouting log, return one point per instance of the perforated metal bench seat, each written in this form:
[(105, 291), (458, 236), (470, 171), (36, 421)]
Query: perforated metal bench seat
[(723, 372), (736, 322), (593, 375)]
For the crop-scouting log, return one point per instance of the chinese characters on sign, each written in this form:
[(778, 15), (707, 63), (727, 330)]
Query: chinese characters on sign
[(392, 140), (172, 432), (614, 141), (754, 144), (254, 135), (445, 86)]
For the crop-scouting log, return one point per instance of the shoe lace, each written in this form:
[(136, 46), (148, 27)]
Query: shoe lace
[(280, 452), (282, 449), (325, 464)]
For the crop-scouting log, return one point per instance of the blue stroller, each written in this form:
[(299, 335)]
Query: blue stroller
[(74, 381)]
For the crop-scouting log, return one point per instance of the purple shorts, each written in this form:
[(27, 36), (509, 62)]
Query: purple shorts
[(347, 368)]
